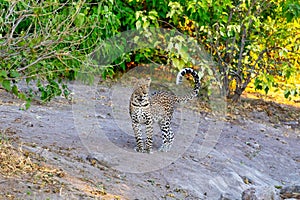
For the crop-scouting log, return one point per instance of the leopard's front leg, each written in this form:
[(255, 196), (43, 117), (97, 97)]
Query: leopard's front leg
[(138, 136)]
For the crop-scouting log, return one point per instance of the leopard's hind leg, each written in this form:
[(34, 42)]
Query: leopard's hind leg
[(149, 134), (167, 135)]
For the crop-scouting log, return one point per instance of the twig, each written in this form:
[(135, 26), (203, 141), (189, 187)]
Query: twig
[(16, 24), (38, 60)]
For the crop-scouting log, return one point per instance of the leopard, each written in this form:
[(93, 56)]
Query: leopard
[(146, 108)]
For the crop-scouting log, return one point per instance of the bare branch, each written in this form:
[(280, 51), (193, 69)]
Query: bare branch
[(10, 11), (15, 26), (44, 57), (243, 42)]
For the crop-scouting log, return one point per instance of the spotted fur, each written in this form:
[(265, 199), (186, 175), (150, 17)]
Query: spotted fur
[(145, 109)]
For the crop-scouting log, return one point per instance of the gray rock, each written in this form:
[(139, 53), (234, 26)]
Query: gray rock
[(261, 193), (249, 194), (227, 196)]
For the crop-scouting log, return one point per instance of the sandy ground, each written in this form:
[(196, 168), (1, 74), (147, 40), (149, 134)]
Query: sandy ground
[(90, 141)]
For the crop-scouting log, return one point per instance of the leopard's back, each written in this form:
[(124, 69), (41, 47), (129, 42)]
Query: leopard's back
[(162, 105)]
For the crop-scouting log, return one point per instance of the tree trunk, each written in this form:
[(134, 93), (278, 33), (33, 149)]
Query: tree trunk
[(237, 94)]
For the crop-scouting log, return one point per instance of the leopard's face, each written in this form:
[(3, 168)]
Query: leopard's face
[(140, 95)]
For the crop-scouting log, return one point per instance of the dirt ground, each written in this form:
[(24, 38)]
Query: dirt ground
[(84, 149)]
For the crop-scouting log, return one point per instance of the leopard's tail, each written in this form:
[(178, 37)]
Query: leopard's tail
[(196, 87)]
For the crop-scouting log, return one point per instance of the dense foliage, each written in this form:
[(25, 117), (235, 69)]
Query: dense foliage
[(49, 41)]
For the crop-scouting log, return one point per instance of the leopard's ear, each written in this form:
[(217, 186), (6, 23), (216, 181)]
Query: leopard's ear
[(148, 80), (134, 80)]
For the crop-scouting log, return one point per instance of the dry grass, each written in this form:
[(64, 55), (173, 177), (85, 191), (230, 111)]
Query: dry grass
[(31, 170), (13, 162), (16, 163)]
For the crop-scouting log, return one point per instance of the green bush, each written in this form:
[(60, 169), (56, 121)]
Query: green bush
[(49, 41)]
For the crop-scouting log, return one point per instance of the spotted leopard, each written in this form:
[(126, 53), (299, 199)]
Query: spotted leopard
[(158, 107)]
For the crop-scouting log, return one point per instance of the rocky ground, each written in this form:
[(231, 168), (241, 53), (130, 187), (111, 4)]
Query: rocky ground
[(84, 150)]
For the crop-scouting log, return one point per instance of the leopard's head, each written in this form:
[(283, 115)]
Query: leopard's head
[(141, 91)]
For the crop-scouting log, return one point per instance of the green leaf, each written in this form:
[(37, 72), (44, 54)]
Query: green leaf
[(22, 96), (80, 18), (183, 51), (27, 105), (146, 24), (210, 71), (278, 186), (287, 93), (3, 73), (15, 90), (14, 74), (179, 64), (138, 25), (266, 89), (257, 84), (6, 85), (123, 66)]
